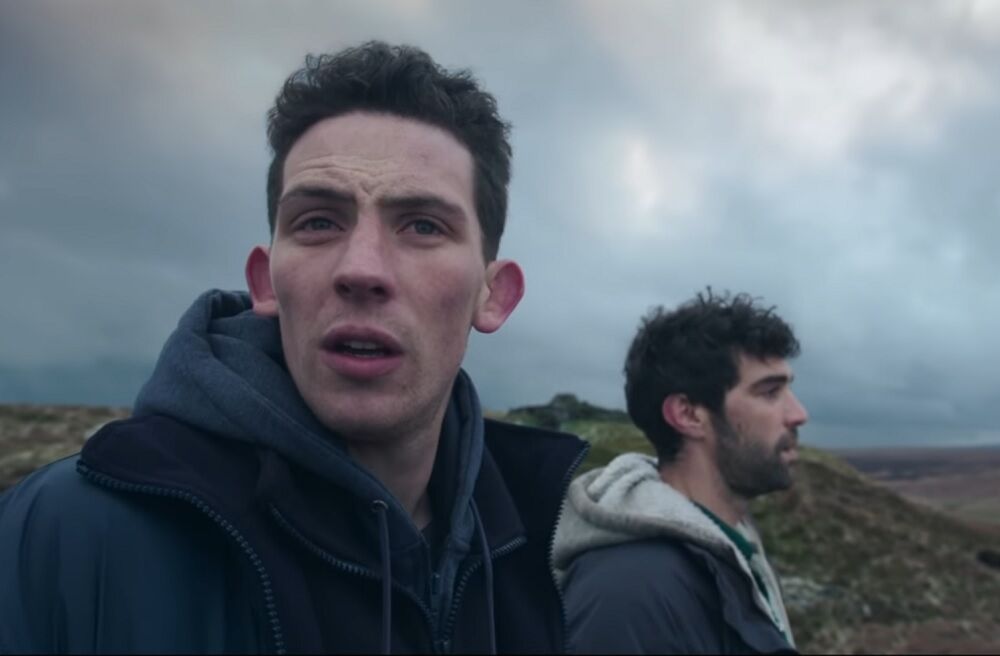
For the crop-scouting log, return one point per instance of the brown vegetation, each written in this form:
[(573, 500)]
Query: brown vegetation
[(34, 435)]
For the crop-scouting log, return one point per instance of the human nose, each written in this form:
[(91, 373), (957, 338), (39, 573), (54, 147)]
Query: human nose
[(797, 413), (363, 268)]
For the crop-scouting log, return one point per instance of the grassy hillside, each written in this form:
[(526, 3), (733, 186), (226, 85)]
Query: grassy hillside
[(864, 570), (868, 570)]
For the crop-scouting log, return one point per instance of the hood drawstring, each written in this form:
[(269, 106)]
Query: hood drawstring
[(379, 507), (488, 575)]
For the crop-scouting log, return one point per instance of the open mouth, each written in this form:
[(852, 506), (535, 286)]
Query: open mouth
[(362, 349), (361, 352)]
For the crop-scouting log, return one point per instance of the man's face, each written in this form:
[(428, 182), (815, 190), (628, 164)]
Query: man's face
[(757, 435), (376, 273)]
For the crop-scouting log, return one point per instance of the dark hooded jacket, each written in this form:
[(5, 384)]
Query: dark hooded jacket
[(223, 516)]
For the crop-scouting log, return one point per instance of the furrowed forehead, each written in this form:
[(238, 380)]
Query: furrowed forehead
[(359, 151)]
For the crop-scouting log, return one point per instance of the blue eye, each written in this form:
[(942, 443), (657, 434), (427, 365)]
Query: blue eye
[(317, 223), (425, 227)]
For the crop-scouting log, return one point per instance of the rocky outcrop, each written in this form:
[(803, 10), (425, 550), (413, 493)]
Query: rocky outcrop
[(562, 409)]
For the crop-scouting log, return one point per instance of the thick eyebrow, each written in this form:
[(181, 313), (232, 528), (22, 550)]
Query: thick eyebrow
[(774, 379), (412, 202), (323, 193), (427, 202)]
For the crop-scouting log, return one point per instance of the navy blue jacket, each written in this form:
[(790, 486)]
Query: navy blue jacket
[(157, 539)]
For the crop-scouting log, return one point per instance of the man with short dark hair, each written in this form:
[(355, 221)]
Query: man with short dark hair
[(308, 468), (658, 555)]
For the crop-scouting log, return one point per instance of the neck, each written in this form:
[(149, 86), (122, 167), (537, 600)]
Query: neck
[(694, 474), (404, 466)]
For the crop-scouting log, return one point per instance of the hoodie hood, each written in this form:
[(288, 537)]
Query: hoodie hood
[(222, 371), (627, 500)]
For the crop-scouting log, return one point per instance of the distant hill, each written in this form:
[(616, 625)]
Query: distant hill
[(864, 569), (964, 481)]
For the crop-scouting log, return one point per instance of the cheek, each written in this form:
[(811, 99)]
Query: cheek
[(291, 286), (296, 305), (447, 312), (454, 294), (752, 421)]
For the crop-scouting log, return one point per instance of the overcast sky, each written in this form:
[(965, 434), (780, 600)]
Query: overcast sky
[(839, 160)]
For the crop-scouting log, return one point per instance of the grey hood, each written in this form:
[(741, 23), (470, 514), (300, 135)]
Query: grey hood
[(627, 500)]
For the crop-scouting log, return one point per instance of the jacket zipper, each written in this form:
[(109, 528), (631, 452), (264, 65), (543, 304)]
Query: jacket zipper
[(350, 568), (567, 479), (463, 580), (265, 580)]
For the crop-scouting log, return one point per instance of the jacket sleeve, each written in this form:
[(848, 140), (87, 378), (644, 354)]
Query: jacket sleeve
[(32, 606), (640, 597)]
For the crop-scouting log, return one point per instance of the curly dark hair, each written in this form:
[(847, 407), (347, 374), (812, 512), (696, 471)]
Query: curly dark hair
[(694, 351), (406, 82)]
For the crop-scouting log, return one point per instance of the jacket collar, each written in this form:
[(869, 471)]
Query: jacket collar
[(535, 467), (517, 491)]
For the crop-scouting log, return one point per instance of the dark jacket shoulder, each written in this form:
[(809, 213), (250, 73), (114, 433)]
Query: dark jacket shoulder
[(663, 596), (146, 562), (646, 596), (72, 553), (536, 464)]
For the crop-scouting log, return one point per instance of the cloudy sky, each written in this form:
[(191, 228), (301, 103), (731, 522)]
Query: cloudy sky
[(839, 160)]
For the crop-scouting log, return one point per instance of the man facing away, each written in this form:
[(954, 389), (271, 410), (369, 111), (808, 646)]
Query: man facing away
[(659, 555), (308, 468)]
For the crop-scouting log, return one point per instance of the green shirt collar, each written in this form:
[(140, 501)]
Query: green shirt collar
[(747, 548)]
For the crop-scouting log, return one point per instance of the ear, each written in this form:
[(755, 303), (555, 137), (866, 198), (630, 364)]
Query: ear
[(502, 291), (258, 275), (688, 419)]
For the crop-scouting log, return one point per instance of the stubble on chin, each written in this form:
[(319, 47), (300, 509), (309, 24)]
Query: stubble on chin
[(750, 470)]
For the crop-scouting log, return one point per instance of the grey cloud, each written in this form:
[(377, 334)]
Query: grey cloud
[(133, 159)]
